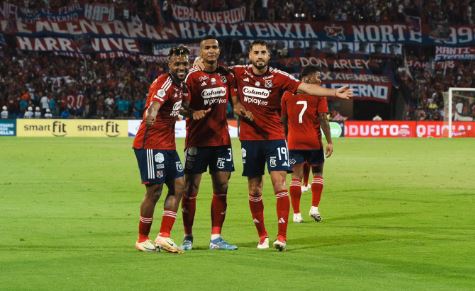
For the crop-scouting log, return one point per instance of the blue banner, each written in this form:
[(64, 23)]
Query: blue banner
[(7, 127)]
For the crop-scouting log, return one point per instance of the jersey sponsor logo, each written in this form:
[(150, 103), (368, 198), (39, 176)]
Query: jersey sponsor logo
[(255, 92), (281, 220), (203, 84), (255, 95), (258, 83), (213, 92), (223, 79), (292, 161), (213, 96), (159, 158), (176, 109), (213, 81)]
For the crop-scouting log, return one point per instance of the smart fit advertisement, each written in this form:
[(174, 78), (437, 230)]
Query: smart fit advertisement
[(71, 128)]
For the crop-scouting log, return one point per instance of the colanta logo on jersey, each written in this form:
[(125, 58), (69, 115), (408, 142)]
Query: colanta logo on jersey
[(213, 95), (255, 95)]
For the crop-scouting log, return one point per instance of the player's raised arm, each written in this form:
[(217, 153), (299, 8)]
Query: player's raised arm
[(317, 90)]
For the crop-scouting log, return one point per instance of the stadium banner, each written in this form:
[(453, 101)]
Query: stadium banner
[(326, 34), (71, 128), (403, 129), (365, 86), (180, 128), (335, 64), (7, 127), (443, 53), (185, 13)]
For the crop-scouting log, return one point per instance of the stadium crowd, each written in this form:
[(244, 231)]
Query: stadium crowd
[(117, 88)]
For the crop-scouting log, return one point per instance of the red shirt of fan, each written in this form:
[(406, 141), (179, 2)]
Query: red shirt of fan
[(303, 124), (261, 95), (208, 90), (161, 135)]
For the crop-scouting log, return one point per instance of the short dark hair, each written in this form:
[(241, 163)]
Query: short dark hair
[(178, 51), (259, 42), (210, 37), (308, 70)]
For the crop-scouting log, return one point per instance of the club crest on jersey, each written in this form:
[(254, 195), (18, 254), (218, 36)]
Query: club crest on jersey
[(268, 83), (179, 167), (159, 158), (223, 79)]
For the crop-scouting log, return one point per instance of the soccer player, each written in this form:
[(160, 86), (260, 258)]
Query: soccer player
[(259, 90), (207, 141), (302, 116), (156, 154)]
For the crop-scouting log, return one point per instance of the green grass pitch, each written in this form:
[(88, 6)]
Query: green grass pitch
[(399, 214)]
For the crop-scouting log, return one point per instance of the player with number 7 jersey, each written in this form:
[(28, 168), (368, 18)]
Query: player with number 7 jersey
[(302, 116)]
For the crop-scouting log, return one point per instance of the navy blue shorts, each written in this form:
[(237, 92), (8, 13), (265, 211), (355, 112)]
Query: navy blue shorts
[(218, 158), (257, 153), (311, 157), (158, 166)]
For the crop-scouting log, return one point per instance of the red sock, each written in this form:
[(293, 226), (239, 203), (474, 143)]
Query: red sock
[(257, 210), (144, 228), (295, 194), (317, 188), (306, 174), (283, 208), (218, 212), (188, 208), (168, 219)]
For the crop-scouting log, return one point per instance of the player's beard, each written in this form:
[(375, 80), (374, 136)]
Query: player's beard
[(259, 64)]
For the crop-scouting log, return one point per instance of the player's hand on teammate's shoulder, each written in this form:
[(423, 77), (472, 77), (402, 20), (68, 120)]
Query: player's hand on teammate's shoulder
[(199, 64), (199, 114), (344, 92), (328, 150)]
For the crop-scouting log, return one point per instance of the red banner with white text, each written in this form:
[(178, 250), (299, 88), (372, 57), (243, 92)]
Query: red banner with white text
[(391, 129)]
